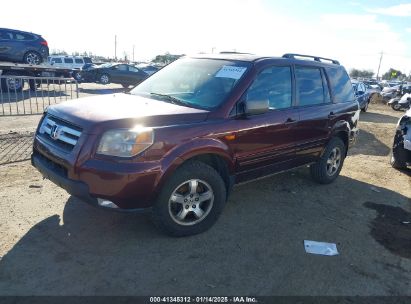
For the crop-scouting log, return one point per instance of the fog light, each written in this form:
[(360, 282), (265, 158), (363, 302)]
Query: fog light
[(105, 203)]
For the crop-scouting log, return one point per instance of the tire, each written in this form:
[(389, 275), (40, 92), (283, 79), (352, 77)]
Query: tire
[(11, 85), (32, 57), (181, 216), (126, 86), (77, 76), (398, 155), (104, 79), (396, 106), (365, 107), (327, 169)]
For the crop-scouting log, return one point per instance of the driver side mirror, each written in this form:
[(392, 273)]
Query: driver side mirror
[(255, 107)]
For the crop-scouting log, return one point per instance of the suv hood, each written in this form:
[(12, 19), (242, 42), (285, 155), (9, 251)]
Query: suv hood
[(95, 113)]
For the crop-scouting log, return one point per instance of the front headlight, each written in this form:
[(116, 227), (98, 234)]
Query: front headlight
[(126, 142)]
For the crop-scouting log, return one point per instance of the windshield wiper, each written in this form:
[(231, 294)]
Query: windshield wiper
[(170, 98)]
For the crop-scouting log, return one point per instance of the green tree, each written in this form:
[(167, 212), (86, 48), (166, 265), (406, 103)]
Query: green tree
[(355, 73)]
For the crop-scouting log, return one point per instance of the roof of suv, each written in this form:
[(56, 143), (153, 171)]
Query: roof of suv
[(19, 31), (253, 58)]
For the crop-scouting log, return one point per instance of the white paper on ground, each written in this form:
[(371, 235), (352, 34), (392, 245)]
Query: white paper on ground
[(320, 248)]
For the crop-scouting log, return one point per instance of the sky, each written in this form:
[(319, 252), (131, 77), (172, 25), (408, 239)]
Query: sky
[(353, 32)]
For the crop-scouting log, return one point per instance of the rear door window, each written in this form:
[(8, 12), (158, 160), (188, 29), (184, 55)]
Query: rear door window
[(78, 60), (310, 90), (341, 87), (6, 35), (68, 60), (23, 36), (56, 60), (274, 84)]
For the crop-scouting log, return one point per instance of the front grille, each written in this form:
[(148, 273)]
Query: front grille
[(59, 133)]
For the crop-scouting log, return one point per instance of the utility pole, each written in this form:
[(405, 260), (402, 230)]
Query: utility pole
[(115, 47), (379, 65), (133, 52)]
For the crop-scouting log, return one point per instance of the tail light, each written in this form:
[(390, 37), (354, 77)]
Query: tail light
[(44, 42)]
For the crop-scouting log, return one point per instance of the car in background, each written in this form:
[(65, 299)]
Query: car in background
[(25, 47), (124, 74), (362, 94)]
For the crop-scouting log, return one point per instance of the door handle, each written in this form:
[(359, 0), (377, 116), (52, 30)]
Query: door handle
[(332, 115), (290, 120)]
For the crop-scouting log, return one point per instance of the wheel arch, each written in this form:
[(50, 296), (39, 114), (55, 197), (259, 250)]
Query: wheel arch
[(209, 151)]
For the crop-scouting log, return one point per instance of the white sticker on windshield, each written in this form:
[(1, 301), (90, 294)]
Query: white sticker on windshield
[(229, 71)]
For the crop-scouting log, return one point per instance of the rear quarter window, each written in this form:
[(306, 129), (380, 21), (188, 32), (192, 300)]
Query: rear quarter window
[(340, 84), (80, 61)]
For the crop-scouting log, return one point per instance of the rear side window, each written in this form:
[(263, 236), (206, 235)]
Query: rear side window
[(87, 60), (23, 36), (309, 86), (78, 61), (340, 84), (274, 84), (4, 35), (68, 60)]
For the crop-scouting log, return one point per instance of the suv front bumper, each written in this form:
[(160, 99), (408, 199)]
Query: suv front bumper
[(78, 189)]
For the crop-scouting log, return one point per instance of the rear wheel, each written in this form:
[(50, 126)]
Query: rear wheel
[(32, 57), (191, 201), (327, 169), (398, 156)]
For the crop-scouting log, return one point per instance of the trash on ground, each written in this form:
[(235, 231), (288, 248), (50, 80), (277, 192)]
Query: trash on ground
[(320, 248)]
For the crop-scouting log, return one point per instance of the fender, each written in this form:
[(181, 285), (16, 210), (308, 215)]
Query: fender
[(196, 147)]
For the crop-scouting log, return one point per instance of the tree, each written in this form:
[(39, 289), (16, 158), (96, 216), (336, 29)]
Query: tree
[(393, 74), (361, 73), (166, 58)]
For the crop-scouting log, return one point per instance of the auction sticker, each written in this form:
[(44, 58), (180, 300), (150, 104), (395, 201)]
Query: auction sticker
[(229, 71)]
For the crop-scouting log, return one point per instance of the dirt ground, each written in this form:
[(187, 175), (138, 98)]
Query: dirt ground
[(54, 244)]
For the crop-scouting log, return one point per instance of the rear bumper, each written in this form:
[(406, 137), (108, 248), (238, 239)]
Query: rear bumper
[(76, 188)]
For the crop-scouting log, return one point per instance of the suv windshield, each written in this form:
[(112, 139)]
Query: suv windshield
[(198, 83)]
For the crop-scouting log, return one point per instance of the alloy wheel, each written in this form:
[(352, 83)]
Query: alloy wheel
[(334, 161), (191, 202)]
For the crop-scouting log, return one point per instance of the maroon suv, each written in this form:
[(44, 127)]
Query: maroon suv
[(177, 143)]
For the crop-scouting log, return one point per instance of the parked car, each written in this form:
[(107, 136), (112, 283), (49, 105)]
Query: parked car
[(19, 46), (401, 148), (149, 69), (362, 94), (120, 73), (177, 143)]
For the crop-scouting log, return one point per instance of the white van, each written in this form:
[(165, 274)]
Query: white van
[(69, 62)]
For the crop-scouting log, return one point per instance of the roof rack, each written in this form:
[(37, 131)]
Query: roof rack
[(316, 58), (232, 52)]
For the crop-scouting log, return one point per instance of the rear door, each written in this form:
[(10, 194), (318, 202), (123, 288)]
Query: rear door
[(135, 76), (265, 142), (119, 73), (6, 45), (315, 108)]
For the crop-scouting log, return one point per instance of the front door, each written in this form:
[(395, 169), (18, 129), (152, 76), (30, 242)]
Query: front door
[(265, 143)]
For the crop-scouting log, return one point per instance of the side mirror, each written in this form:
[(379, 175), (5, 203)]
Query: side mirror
[(255, 107)]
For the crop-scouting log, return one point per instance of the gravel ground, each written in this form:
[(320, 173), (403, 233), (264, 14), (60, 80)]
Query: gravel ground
[(54, 244)]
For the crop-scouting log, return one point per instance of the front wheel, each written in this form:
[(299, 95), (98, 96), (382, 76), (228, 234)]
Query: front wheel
[(327, 169), (396, 106), (191, 201)]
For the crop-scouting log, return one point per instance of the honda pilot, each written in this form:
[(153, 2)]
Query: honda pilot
[(177, 143)]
